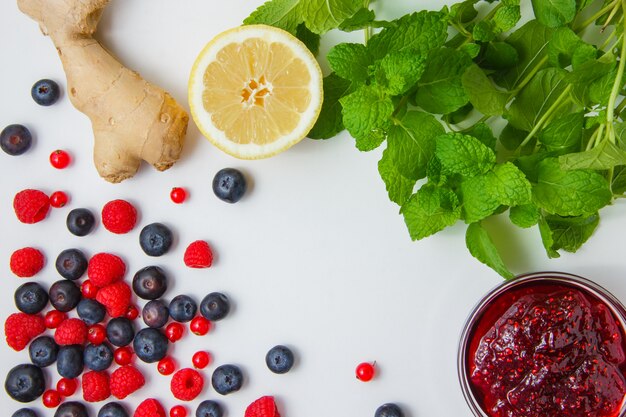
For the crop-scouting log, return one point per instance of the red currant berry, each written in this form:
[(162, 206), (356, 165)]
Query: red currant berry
[(58, 199), (201, 359), (365, 371), (67, 387), (200, 326), (123, 356), (132, 313), (166, 366), (178, 195), (174, 331), (96, 334), (53, 319), (178, 411), (88, 289), (51, 398), (60, 159)]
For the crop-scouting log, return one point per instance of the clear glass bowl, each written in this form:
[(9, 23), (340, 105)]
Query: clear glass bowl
[(538, 278)]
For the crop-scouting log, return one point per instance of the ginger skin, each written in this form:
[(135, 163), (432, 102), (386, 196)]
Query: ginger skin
[(132, 119)]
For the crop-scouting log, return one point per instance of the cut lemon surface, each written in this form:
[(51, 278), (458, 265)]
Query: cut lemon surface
[(255, 91)]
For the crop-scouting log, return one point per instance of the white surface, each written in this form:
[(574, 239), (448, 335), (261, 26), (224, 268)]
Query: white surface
[(315, 256)]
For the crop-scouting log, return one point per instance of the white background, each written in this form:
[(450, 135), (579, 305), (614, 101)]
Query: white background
[(315, 256)]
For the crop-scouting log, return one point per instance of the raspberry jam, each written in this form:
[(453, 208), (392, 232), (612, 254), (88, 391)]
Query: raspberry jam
[(545, 344)]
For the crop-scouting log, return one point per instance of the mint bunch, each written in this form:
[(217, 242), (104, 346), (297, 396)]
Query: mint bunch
[(433, 84)]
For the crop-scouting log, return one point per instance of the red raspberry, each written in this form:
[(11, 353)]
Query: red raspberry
[(105, 269), (71, 332), (198, 255), (31, 206), (125, 380), (263, 407), (119, 216), (150, 408), (96, 386), (115, 298), (21, 328), (186, 384), (26, 262)]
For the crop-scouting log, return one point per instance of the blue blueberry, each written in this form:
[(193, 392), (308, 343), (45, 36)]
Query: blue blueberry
[(45, 92), (279, 359), (209, 408), (98, 357), (120, 331), (43, 351), (183, 308), (24, 412), (90, 311), (215, 306), (112, 410), (30, 298), (25, 383), (150, 283), (389, 410), (229, 185), (71, 409), (64, 295), (70, 361), (155, 239), (155, 314), (150, 345), (71, 264), (15, 139), (226, 379), (80, 222)]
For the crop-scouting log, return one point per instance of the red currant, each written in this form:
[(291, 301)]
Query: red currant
[(178, 195), (178, 411), (166, 366), (96, 334), (123, 356), (88, 289), (365, 371), (132, 313), (51, 398), (200, 326), (60, 159), (58, 199), (67, 387), (201, 359), (53, 319), (174, 331)]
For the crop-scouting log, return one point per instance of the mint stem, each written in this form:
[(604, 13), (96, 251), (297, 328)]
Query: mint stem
[(617, 85), (593, 18)]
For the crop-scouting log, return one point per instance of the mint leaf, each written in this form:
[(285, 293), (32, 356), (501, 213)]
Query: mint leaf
[(310, 39), (525, 216), (463, 154), (511, 137), (605, 155), (481, 92), (618, 185), (569, 193), (398, 186), (400, 71), (463, 12), (485, 31), (547, 239), (366, 115), (362, 19), (507, 17), (471, 49), (585, 77), (499, 55), (564, 135), (482, 248), (570, 233), (284, 14), (483, 133), (430, 210), (566, 47), (554, 13), (330, 120), (350, 61), (323, 15)]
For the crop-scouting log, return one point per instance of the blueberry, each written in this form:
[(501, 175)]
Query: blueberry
[(150, 345), (226, 379), (183, 308), (71, 409), (71, 264), (155, 239), (15, 139), (155, 314), (150, 283), (120, 331), (389, 410), (45, 92), (229, 185), (112, 410), (30, 298), (90, 311), (25, 383), (43, 351), (279, 359), (98, 357), (215, 306), (70, 361), (80, 221), (64, 295), (209, 408), (24, 412)]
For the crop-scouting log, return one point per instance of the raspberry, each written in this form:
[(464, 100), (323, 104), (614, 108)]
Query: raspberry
[(105, 269), (186, 384), (119, 216), (71, 332), (31, 206), (198, 255), (96, 386), (21, 328), (263, 407), (26, 262), (115, 298), (126, 380), (150, 408)]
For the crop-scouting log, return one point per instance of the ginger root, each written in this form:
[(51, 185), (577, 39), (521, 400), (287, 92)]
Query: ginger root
[(132, 119)]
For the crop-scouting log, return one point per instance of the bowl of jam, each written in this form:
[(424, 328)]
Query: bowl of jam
[(545, 344)]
